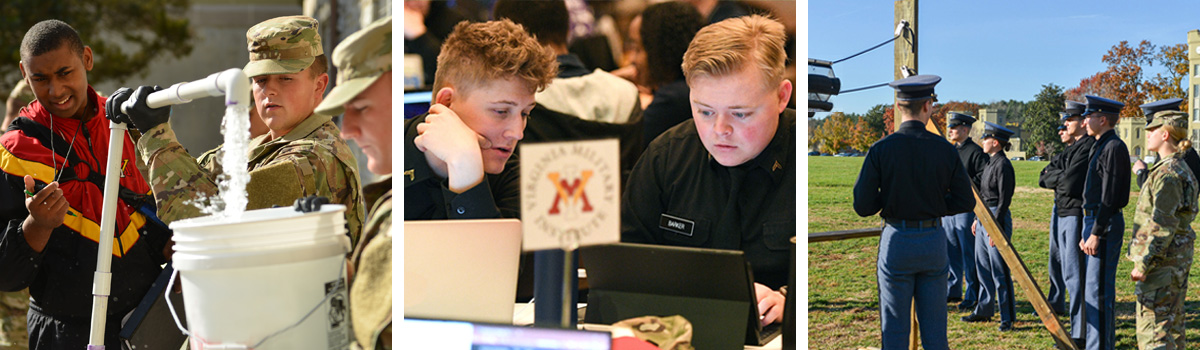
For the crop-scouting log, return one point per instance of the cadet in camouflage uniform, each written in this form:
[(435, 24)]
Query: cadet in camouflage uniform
[(1161, 248), (364, 94), (302, 154)]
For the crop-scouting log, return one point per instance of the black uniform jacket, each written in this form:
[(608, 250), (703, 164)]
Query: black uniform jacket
[(1065, 175), (678, 195), (912, 174), (997, 184), (1106, 189), (973, 159), (427, 197)]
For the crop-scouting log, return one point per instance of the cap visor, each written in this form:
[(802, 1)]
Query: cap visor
[(267, 67), (343, 93)]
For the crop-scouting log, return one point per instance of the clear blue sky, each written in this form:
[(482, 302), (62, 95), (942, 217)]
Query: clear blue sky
[(988, 50)]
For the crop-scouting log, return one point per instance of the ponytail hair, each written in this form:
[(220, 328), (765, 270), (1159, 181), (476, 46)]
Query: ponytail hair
[(1179, 137)]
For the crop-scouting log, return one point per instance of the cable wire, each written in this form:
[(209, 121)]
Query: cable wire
[(867, 50), (864, 88)]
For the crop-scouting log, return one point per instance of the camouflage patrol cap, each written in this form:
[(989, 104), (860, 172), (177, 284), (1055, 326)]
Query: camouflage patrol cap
[(1177, 119), (282, 45), (361, 59)]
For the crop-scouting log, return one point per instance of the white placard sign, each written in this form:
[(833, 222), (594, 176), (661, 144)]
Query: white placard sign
[(569, 194)]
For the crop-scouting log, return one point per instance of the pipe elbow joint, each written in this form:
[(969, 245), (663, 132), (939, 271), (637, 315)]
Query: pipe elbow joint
[(236, 86)]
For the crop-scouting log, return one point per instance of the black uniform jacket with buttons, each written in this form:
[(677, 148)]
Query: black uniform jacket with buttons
[(677, 193), (427, 196), (1065, 176), (912, 174), (997, 184), (973, 159), (1106, 189)]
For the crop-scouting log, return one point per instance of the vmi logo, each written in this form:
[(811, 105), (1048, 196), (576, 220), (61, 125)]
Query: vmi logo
[(571, 192)]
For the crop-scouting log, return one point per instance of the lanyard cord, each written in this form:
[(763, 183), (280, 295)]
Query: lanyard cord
[(57, 170)]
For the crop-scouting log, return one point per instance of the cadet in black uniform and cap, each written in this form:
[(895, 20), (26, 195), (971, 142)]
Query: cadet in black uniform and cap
[(912, 178), (1065, 175), (961, 242), (1105, 193), (996, 190), (1055, 295), (1151, 110)]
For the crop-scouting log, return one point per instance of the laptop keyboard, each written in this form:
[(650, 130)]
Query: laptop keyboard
[(769, 332)]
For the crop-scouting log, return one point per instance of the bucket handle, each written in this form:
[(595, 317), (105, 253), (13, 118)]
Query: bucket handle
[(175, 316), (170, 306)]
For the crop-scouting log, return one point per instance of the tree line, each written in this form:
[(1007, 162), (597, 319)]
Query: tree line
[(1126, 78)]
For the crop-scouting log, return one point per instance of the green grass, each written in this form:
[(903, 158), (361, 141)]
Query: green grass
[(843, 310)]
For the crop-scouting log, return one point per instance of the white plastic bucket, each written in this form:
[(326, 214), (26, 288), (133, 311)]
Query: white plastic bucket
[(274, 279)]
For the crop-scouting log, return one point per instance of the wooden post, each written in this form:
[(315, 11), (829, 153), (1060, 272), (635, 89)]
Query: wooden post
[(1021, 275), (905, 57), (905, 47)]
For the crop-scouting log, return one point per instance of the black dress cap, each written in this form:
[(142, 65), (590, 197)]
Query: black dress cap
[(1099, 104), (958, 119), (1152, 108), (996, 131), (1074, 108), (917, 87)]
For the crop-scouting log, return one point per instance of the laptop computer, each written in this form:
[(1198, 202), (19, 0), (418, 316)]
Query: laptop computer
[(712, 288), (456, 335), (462, 270)]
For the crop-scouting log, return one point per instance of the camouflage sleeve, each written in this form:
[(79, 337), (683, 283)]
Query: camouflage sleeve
[(1158, 222), (175, 177), (371, 286), (304, 169)]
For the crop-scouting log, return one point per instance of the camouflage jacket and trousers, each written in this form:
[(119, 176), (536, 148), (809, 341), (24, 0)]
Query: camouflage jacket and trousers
[(1161, 248), (371, 283), (309, 160)]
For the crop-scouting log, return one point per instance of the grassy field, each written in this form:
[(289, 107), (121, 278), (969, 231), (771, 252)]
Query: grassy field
[(843, 310)]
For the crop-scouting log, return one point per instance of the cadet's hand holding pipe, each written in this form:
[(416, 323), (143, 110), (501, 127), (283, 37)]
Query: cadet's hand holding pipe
[(47, 209), (140, 115)]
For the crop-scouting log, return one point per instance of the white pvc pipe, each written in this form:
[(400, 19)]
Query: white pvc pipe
[(232, 83)]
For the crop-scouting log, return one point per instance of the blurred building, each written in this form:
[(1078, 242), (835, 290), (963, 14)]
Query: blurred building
[(1193, 83), (1133, 132)]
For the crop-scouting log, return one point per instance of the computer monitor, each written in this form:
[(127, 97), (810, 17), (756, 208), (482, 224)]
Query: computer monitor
[(417, 103)]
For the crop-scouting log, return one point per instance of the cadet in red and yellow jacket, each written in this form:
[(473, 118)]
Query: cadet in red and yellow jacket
[(48, 242)]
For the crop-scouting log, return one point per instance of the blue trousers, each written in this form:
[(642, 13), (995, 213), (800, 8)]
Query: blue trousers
[(1070, 231), (961, 246), (1101, 283), (993, 273), (912, 263), (1056, 296)]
